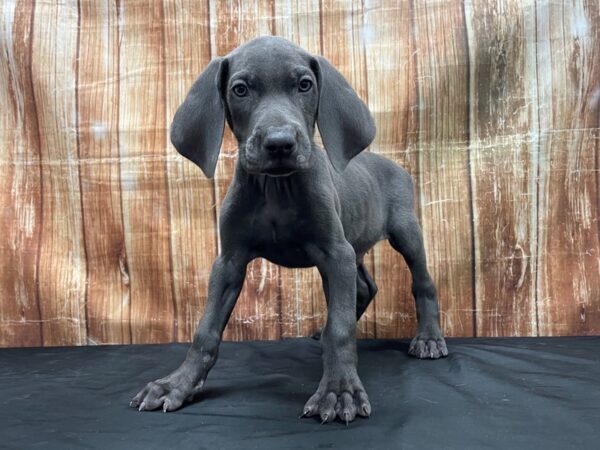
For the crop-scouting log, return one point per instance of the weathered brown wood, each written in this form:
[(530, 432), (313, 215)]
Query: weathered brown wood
[(192, 197), (568, 67), (443, 165), (107, 292), (107, 235), (503, 129), (62, 260), (20, 192), (391, 70), (343, 43), (301, 291), (143, 148), (256, 315)]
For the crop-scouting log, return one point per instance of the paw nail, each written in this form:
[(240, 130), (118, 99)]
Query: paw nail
[(142, 406)]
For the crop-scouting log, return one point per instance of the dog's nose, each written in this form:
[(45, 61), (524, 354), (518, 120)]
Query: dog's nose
[(279, 143)]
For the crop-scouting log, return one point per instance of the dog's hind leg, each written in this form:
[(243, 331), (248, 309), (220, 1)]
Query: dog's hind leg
[(366, 289), (406, 237)]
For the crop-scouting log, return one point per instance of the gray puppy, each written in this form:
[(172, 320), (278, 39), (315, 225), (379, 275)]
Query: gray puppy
[(297, 206)]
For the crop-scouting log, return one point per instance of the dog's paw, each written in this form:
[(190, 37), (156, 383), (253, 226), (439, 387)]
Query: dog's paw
[(428, 347), (317, 334), (344, 401), (167, 394)]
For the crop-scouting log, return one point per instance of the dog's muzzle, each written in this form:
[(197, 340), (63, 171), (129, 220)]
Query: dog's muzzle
[(279, 143), (281, 151)]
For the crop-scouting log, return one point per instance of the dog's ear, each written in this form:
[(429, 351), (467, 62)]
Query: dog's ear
[(197, 128), (344, 121)]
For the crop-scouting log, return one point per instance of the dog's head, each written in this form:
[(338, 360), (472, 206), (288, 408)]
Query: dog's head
[(272, 93)]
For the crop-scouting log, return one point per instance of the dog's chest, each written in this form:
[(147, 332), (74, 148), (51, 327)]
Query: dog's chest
[(281, 234)]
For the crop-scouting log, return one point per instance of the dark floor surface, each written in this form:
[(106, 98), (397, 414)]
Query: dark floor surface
[(541, 393)]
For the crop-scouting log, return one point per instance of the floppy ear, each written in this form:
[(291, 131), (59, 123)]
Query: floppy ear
[(344, 121), (197, 128)]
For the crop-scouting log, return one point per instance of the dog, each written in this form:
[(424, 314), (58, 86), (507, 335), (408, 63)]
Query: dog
[(297, 206)]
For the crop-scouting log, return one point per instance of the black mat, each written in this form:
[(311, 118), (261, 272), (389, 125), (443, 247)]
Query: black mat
[(490, 393)]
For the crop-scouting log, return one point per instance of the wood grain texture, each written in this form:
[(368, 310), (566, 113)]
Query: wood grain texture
[(303, 307), (257, 312), (108, 286), (20, 185), (568, 68), (61, 252), (443, 164), (191, 195), (142, 147), (107, 235), (392, 99), (503, 146)]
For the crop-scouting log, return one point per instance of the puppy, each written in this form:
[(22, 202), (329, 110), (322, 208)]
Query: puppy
[(298, 206)]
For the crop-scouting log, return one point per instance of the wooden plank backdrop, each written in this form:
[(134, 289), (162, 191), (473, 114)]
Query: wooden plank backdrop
[(107, 235)]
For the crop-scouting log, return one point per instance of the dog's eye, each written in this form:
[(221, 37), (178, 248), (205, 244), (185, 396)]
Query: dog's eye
[(240, 90), (305, 85)]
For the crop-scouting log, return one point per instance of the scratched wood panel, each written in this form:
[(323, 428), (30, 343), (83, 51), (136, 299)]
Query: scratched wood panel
[(256, 315), (108, 234), (391, 79), (443, 174), (504, 125), (20, 193), (568, 68), (142, 144), (107, 291), (303, 307), (426, 64), (343, 43), (62, 260), (191, 195)]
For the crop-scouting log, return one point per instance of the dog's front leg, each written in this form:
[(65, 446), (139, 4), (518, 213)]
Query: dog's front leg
[(226, 281), (340, 392)]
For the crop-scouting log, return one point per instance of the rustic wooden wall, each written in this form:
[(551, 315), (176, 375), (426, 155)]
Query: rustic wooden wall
[(107, 234)]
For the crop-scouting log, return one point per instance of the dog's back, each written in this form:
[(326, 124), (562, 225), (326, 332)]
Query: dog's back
[(373, 190)]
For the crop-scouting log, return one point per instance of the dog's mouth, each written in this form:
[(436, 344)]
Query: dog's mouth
[(282, 167), (279, 171)]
